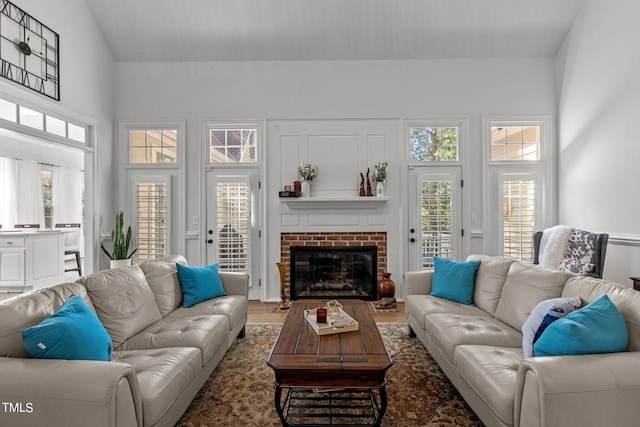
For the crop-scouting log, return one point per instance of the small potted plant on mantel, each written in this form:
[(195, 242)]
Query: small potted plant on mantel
[(118, 257)]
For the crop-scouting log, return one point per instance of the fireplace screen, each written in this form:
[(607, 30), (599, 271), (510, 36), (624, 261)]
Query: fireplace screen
[(334, 272)]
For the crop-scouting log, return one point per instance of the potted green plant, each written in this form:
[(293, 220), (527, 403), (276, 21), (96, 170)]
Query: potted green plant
[(118, 257)]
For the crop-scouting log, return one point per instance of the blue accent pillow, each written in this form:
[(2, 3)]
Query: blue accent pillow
[(597, 328), (73, 333), (454, 280), (199, 283)]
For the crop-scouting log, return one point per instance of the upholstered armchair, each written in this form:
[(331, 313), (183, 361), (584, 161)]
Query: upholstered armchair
[(570, 249)]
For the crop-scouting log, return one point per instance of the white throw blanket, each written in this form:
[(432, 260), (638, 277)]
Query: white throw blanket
[(553, 246)]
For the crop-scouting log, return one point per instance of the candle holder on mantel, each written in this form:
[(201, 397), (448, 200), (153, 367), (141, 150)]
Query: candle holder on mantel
[(282, 269)]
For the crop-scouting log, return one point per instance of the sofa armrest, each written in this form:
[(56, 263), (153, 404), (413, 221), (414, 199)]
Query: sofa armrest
[(418, 282), (235, 283), (55, 392), (594, 389)]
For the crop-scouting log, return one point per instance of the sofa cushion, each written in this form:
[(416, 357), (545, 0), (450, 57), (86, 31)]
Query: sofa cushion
[(543, 315), (627, 300), (492, 372), (448, 331), (490, 279), (234, 307), (162, 375), (419, 306), (199, 283), (206, 333), (454, 280), (597, 328), (123, 300), (29, 309), (525, 287), (73, 332), (162, 276)]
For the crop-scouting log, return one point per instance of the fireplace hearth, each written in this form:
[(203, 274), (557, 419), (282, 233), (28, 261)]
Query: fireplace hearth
[(334, 272)]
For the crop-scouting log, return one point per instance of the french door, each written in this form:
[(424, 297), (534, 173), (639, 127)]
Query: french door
[(233, 220), (435, 215)]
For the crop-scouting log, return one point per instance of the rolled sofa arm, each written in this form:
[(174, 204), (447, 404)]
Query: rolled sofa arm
[(594, 389), (235, 283), (418, 282), (53, 392)]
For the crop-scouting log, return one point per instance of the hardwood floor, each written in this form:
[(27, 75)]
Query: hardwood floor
[(264, 312)]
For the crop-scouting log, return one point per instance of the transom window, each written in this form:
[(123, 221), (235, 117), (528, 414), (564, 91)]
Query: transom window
[(515, 143), (232, 145), (153, 146), (434, 144), (41, 121)]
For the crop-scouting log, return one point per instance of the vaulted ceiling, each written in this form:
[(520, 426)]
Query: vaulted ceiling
[(235, 30)]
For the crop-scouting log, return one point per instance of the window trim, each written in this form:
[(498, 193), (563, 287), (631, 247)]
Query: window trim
[(208, 125), (126, 126), (544, 171), (461, 123), (545, 136), (176, 172)]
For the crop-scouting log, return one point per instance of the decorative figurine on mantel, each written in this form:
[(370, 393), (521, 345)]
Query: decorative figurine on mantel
[(369, 193), (362, 192), (284, 301)]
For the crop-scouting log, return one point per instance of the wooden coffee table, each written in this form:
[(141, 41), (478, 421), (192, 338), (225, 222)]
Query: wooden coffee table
[(337, 378)]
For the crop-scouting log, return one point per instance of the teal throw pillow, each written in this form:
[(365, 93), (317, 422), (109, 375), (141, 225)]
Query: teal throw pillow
[(453, 280), (199, 283), (73, 332), (597, 328)]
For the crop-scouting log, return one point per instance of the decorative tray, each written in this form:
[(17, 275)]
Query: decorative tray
[(341, 323)]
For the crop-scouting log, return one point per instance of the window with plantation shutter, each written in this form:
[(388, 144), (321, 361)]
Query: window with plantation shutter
[(233, 224), (151, 206), (436, 200), (519, 179), (518, 222)]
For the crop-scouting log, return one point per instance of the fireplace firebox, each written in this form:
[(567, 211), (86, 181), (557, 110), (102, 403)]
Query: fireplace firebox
[(334, 272)]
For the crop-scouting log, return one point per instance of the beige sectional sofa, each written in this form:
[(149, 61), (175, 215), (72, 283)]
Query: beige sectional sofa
[(479, 348), (162, 352)]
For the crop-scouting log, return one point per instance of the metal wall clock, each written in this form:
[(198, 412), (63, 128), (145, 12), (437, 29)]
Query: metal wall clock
[(29, 51)]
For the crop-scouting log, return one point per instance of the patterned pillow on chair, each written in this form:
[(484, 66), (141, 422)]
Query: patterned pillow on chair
[(581, 253)]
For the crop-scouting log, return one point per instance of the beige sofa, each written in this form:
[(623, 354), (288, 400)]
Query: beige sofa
[(162, 352), (479, 348)]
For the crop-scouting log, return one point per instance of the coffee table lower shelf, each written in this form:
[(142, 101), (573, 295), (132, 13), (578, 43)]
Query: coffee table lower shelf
[(337, 408)]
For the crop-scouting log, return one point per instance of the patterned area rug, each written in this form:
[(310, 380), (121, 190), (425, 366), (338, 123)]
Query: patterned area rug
[(240, 391)]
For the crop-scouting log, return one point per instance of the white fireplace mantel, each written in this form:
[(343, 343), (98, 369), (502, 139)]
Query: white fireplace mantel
[(334, 202)]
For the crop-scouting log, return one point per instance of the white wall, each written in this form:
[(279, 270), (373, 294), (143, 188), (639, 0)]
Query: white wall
[(86, 88), (334, 89), (598, 82)]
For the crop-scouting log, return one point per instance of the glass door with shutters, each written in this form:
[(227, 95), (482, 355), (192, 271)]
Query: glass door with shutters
[(233, 222), (435, 220)]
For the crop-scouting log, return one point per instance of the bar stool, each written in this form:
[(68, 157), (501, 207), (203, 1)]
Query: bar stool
[(71, 246)]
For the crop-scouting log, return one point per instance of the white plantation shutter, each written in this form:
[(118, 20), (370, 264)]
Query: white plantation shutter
[(151, 205), (233, 224), (436, 221), (519, 211)]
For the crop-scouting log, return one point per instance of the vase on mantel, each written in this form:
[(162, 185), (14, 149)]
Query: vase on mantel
[(306, 188), (380, 189)]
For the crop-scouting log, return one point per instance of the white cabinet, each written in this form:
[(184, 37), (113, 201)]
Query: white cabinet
[(12, 263), (31, 260)]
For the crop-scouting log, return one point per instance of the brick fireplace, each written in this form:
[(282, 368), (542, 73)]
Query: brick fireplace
[(335, 239)]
